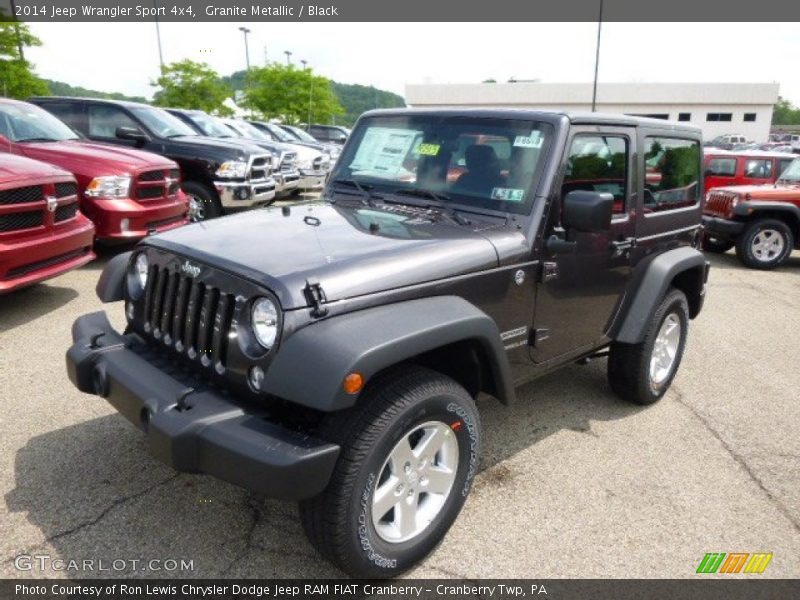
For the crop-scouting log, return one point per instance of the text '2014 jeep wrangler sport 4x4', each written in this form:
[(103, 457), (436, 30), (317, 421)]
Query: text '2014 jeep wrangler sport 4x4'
[(331, 352)]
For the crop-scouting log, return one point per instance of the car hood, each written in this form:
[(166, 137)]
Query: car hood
[(781, 191), (92, 159), (14, 168), (239, 146), (349, 251)]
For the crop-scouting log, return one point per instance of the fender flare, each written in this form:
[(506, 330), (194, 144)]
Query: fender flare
[(312, 363), (110, 286), (653, 285), (750, 208)]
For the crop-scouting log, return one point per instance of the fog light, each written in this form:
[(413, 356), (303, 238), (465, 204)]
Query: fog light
[(129, 311), (125, 225), (243, 194), (256, 377)]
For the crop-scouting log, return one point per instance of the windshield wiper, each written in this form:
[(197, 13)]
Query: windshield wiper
[(441, 202), (43, 139), (364, 191)]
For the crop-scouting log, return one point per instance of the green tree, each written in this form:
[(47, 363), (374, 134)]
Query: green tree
[(189, 84), (284, 92), (17, 79), (785, 113)]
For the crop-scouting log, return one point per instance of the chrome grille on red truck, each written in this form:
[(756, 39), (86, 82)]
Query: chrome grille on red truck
[(189, 316), (156, 185)]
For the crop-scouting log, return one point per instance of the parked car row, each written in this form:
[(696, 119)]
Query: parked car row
[(135, 170)]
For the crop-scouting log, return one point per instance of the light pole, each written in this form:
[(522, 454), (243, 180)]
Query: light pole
[(16, 28), (158, 37), (597, 57), (245, 31), (310, 91), (288, 57)]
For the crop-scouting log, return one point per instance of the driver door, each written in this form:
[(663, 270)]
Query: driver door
[(580, 288)]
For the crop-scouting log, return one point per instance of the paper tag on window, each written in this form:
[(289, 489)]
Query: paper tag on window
[(534, 140), (428, 149), (508, 194)]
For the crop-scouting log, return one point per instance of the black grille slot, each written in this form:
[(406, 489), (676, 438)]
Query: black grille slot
[(23, 220), (173, 189), (21, 195), (188, 316), (151, 176), (43, 264), (149, 193), (66, 212), (162, 222), (66, 188)]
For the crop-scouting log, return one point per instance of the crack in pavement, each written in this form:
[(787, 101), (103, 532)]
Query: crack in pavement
[(256, 514), (102, 515), (738, 458)]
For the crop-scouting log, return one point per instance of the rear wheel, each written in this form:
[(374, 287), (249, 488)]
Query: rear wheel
[(716, 245), (643, 372), (765, 244), (409, 454), (203, 202)]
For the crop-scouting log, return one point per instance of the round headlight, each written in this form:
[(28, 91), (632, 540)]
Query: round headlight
[(140, 268), (264, 320)]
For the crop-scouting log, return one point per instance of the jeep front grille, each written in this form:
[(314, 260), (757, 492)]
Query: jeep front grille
[(719, 203), (188, 316)]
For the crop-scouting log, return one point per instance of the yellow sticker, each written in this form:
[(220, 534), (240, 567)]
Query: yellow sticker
[(428, 149)]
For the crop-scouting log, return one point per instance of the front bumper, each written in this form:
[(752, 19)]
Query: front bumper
[(126, 220), (193, 428), (718, 227), (286, 180), (244, 194), (312, 180)]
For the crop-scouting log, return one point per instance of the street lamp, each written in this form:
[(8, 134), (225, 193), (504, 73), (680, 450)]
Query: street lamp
[(288, 57), (597, 57), (158, 36), (310, 90), (245, 31)]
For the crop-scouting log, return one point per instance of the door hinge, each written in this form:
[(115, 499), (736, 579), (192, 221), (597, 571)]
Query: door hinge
[(549, 271), (621, 246), (538, 336), (315, 296)]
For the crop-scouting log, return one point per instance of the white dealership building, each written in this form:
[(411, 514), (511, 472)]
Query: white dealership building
[(717, 108)]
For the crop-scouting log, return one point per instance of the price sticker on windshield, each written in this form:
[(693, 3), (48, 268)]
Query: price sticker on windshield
[(428, 149), (508, 194), (534, 140)]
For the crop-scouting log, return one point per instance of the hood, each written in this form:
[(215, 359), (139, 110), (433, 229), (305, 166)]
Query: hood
[(92, 159), (349, 251), (239, 147), (777, 191), (14, 168)]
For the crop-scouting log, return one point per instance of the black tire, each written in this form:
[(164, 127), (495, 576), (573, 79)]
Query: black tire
[(209, 206), (716, 246), (745, 244), (629, 364), (339, 521)]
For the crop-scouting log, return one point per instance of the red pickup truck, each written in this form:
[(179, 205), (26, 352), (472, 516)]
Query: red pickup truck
[(127, 193), (42, 232)]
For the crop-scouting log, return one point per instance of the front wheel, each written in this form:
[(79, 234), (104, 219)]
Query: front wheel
[(409, 455), (203, 202), (643, 372), (765, 244)]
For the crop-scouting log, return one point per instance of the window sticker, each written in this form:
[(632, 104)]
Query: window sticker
[(534, 140), (383, 150), (508, 194), (428, 149)]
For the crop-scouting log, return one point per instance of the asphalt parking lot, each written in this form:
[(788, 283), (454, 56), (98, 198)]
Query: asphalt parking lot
[(574, 482)]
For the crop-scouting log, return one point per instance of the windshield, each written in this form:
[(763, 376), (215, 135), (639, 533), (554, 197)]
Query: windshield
[(29, 123), (483, 162), (246, 130), (300, 134), (278, 132), (792, 173), (211, 126), (161, 122)]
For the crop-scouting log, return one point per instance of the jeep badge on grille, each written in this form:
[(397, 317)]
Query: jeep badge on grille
[(190, 269)]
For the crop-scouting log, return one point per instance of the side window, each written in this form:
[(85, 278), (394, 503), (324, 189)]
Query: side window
[(598, 163), (758, 168), (721, 167), (673, 173), (104, 120), (783, 164), (68, 112)]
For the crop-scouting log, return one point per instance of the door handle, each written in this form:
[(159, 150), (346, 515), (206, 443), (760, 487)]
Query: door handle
[(620, 246)]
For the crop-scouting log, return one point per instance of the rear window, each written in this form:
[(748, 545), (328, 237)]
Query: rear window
[(673, 173)]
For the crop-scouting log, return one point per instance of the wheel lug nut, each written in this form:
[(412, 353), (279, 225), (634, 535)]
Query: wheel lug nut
[(400, 489)]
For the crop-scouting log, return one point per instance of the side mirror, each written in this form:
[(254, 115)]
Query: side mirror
[(589, 212), (131, 133)]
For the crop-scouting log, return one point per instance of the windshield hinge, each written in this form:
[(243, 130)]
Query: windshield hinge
[(316, 298)]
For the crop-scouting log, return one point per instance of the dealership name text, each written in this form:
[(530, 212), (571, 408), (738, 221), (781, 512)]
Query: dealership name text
[(257, 590)]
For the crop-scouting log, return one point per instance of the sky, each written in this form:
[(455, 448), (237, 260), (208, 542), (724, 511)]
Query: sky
[(123, 57)]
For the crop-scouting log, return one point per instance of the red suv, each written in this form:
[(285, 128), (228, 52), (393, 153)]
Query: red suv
[(748, 167), (127, 193), (42, 232)]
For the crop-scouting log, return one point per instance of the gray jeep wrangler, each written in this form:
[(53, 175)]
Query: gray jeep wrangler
[(331, 352)]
